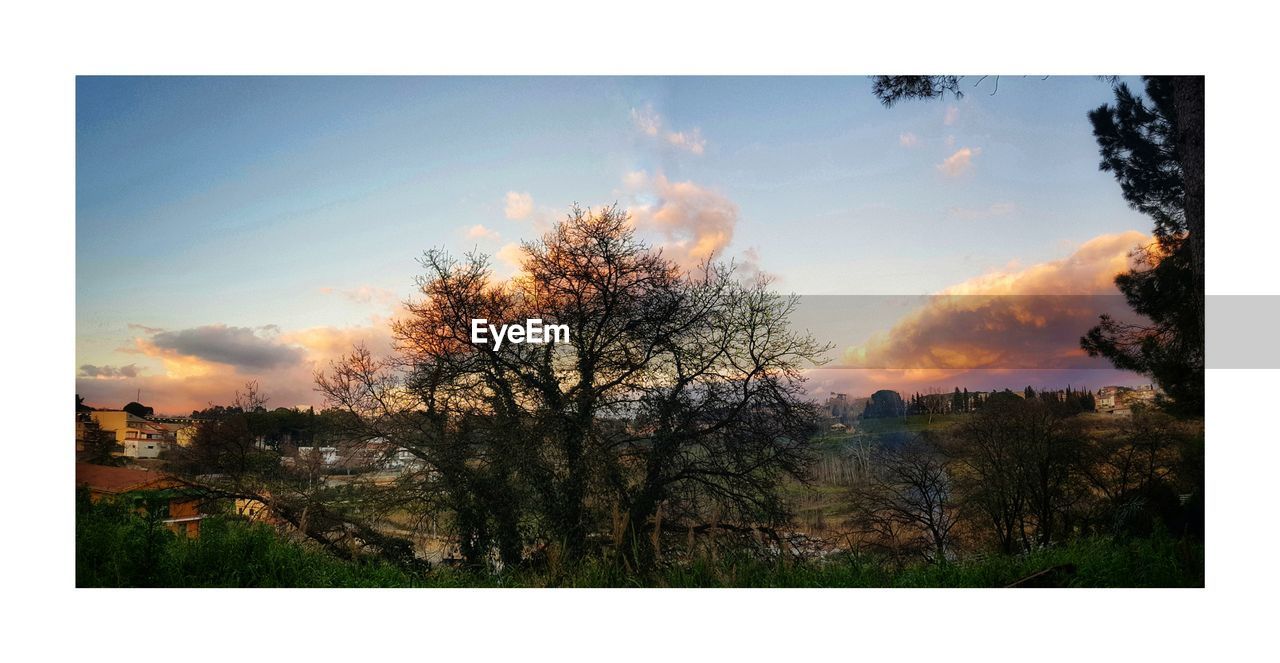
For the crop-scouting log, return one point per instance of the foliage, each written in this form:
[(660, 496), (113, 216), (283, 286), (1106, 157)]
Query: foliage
[(1139, 145), (1016, 463), (118, 547), (884, 403), (892, 89), (101, 446), (677, 399), (138, 409)]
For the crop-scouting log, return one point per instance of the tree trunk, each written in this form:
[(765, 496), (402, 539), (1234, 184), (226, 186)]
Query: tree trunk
[(1188, 97)]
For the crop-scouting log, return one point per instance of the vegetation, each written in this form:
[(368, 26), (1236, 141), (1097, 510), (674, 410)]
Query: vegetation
[(138, 409), (120, 545), (101, 446), (1140, 145), (670, 442), (116, 546), (677, 405)]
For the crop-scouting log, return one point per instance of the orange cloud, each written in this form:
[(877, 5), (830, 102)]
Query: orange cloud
[(696, 223), (479, 231), (518, 205), (959, 163), (205, 365), (1028, 318)]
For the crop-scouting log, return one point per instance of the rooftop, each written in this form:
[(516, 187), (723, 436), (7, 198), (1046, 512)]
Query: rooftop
[(119, 479)]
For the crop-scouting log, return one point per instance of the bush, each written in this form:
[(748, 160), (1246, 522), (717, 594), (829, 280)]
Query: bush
[(117, 546)]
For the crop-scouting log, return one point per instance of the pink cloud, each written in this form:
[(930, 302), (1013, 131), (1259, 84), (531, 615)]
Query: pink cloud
[(1018, 318), (959, 162)]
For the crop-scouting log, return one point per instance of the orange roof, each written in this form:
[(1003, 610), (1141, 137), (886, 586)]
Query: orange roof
[(105, 479)]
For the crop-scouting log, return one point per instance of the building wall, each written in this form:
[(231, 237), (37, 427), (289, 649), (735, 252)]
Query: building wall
[(142, 448), (113, 420), (139, 437)]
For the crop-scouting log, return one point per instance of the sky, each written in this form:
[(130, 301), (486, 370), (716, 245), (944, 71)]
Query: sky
[(232, 229)]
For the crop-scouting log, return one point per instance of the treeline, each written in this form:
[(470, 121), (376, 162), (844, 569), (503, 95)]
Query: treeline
[(1021, 475), (887, 403), (279, 426)]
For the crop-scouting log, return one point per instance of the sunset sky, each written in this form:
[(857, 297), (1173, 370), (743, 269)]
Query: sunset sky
[(230, 229)]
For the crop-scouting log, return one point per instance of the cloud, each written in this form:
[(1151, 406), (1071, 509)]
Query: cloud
[(691, 141), (478, 231), (365, 294), (953, 113), (511, 255), (908, 139), (109, 372), (959, 163), (323, 344), (648, 122), (240, 347), (695, 222), (192, 382), (973, 213), (1017, 318), (748, 266), (518, 205)]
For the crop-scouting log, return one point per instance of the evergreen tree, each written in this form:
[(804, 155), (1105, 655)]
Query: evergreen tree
[(1139, 142)]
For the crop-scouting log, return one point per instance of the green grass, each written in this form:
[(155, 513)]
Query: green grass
[(914, 423), (116, 547)]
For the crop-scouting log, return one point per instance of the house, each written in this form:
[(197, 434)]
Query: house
[(179, 431), (1120, 401), (139, 437), (254, 511), (182, 511)]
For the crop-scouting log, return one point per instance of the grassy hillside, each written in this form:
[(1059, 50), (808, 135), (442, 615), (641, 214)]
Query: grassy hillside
[(118, 548)]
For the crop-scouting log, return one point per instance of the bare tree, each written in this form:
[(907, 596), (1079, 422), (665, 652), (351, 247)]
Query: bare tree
[(907, 501), (1017, 464), (678, 397)]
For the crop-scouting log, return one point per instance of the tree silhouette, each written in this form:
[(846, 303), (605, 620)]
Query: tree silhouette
[(138, 409), (677, 401), (1139, 143)]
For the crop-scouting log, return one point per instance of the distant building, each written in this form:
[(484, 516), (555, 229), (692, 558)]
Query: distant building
[(255, 511), (1120, 401), (179, 431), (840, 408), (139, 437)]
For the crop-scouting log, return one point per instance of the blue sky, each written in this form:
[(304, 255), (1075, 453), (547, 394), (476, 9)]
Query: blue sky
[(280, 204)]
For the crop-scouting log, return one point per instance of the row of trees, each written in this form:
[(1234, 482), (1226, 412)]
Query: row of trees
[(1020, 475), (1067, 401)]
